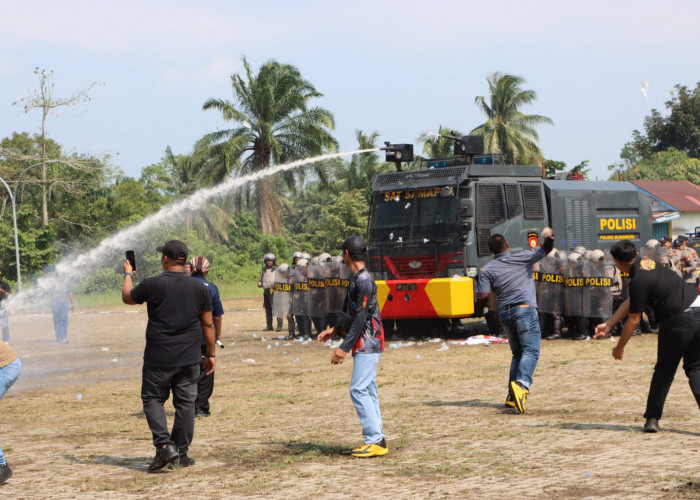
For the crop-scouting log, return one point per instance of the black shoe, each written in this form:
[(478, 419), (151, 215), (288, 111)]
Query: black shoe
[(554, 336), (201, 414), (651, 425), (5, 473), (163, 457), (268, 329), (580, 336), (185, 461)]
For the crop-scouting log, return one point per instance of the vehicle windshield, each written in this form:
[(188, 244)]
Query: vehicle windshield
[(436, 217), (425, 213), (391, 218)]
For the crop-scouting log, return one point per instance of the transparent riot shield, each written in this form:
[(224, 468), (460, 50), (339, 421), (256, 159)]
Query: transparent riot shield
[(337, 284), (300, 289), (573, 285), (316, 296), (597, 289), (282, 294), (551, 284)]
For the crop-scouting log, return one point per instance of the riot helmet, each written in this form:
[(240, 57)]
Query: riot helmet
[(269, 256)]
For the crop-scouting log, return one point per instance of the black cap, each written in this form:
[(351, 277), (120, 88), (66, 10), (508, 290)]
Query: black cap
[(666, 239), (677, 242), (174, 249), (682, 237), (353, 244)]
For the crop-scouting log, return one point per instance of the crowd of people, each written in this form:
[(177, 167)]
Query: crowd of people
[(577, 289), (309, 293), (534, 293)]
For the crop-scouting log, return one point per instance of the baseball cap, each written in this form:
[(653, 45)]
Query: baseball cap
[(677, 242), (353, 244), (666, 239), (682, 237), (174, 249)]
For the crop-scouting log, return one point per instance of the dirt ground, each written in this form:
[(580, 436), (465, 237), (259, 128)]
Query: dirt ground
[(281, 426)]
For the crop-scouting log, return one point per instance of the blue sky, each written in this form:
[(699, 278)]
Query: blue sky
[(397, 67)]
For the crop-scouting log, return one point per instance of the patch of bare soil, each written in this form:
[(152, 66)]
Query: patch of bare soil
[(282, 426)]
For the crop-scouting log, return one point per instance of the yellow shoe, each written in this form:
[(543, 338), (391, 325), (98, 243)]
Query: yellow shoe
[(510, 400), (371, 450), (519, 396)]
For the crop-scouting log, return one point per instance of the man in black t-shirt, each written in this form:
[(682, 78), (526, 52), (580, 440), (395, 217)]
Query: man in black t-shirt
[(677, 310), (179, 313)]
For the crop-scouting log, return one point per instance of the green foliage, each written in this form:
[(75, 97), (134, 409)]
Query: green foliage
[(274, 125), (581, 168), (679, 131), (551, 167), (507, 130), (665, 165), (341, 216)]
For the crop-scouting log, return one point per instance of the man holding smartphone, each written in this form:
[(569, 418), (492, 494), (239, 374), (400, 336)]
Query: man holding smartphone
[(179, 313)]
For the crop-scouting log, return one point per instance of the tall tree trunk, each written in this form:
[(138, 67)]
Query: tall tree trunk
[(268, 209), (44, 197)]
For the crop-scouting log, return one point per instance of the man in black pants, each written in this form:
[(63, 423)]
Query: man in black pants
[(179, 313), (677, 309), (205, 386)]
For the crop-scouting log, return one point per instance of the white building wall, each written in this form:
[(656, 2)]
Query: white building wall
[(685, 223)]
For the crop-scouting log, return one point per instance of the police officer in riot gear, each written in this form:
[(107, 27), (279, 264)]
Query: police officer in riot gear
[(267, 283), (573, 272)]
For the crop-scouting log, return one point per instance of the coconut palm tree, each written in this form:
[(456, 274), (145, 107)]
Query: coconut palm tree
[(187, 174), (274, 125), (438, 145), (507, 130)]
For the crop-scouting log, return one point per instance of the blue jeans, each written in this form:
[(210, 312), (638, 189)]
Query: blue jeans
[(523, 327), (8, 375), (363, 391), (60, 319)]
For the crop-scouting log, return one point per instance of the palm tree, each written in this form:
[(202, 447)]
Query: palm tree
[(188, 174), (275, 125), (507, 130), (439, 145)]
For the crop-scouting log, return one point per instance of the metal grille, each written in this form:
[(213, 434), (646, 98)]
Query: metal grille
[(512, 200), (421, 178), (532, 201), (490, 205), (578, 221), (414, 261), (482, 241)]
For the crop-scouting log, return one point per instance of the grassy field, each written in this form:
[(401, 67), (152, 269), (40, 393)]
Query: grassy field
[(282, 426)]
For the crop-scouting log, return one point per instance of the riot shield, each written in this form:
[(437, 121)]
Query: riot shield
[(299, 291), (316, 296), (337, 284), (573, 285), (551, 284), (597, 289), (282, 294)]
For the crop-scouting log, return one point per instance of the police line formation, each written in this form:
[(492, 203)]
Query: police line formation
[(576, 290)]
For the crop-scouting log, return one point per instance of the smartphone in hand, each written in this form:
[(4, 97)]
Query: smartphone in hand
[(131, 258)]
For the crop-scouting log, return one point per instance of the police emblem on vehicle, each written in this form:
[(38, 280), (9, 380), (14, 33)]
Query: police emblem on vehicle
[(414, 265)]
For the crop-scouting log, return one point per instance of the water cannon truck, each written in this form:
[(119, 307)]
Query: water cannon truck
[(429, 228)]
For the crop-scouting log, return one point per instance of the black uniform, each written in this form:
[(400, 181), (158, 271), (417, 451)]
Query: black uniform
[(670, 298)]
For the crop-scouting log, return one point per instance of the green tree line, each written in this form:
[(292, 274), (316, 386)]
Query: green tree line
[(67, 203)]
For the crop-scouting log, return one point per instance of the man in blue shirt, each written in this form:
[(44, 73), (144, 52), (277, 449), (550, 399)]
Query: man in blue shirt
[(509, 276), (205, 384)]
